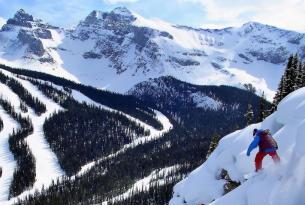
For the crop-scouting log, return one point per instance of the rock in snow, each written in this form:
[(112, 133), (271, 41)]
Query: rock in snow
[(281, 184)]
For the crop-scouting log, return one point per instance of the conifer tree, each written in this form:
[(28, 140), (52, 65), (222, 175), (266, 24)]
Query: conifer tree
[(290, 75), (303, 74), (262, 108), (292, 79), (299, 76), (213, 144), (249, 115), (278, 95)]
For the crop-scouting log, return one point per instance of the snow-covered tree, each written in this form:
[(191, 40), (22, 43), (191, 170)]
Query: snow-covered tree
[(263, 112), (249, 115)]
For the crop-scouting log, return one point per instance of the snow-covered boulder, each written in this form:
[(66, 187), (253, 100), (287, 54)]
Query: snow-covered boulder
[(281, 184)]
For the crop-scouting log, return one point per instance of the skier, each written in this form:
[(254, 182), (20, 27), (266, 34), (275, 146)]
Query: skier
[(267, 145)]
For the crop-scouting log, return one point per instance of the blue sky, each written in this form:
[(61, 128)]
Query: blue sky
[(288, 14)]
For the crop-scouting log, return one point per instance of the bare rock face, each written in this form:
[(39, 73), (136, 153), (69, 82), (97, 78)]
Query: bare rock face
[(21, 18), (275, 56), (230, 184), (115, 37), (35, 45), (43, 33), (30, 33)]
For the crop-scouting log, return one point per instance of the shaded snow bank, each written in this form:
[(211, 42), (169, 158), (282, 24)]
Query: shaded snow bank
[(277, 184)]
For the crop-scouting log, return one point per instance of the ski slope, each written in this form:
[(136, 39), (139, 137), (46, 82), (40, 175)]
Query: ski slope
[(7, 161), (281, 184), (154, 133), (154, 178), (47, 166)]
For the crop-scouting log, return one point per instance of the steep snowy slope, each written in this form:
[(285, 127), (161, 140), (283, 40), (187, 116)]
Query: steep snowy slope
[(120, 46), (277, 184)]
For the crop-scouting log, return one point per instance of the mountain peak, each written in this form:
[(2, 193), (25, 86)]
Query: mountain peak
[(117, 14), (123, 11), (96, 14), (21, 18), (21, 15), (252, 25)]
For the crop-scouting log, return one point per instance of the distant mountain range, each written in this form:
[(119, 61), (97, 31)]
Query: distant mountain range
[(118, 49)]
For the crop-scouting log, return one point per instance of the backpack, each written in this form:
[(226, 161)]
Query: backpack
[(267, 141)]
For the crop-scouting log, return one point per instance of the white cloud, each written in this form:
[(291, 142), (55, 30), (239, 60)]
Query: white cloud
[(120, 1), (289, 14), (2, 21)]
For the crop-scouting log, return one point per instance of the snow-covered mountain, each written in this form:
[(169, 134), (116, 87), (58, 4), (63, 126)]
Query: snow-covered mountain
[(121, 46), (281, 184)]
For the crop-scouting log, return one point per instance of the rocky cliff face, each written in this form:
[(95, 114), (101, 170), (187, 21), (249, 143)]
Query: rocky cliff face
[(29, 33), (117, 39)]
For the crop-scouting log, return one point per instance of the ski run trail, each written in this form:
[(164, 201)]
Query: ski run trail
[(155, 177), (154, 133), (47, 166)]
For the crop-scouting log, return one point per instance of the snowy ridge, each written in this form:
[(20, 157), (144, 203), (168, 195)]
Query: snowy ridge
[(121, 46), (276, 184), (47, 167), (154, 133)]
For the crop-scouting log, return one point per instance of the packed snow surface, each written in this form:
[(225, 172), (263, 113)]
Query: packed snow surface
[(47, 166), (7, 162), (281, 184)]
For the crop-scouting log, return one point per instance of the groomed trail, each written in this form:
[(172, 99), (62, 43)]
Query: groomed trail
[(157, 177), (154, 133), (7, 161), (47, 166)]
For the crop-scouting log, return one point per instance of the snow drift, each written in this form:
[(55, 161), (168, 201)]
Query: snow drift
[(281, 184)]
